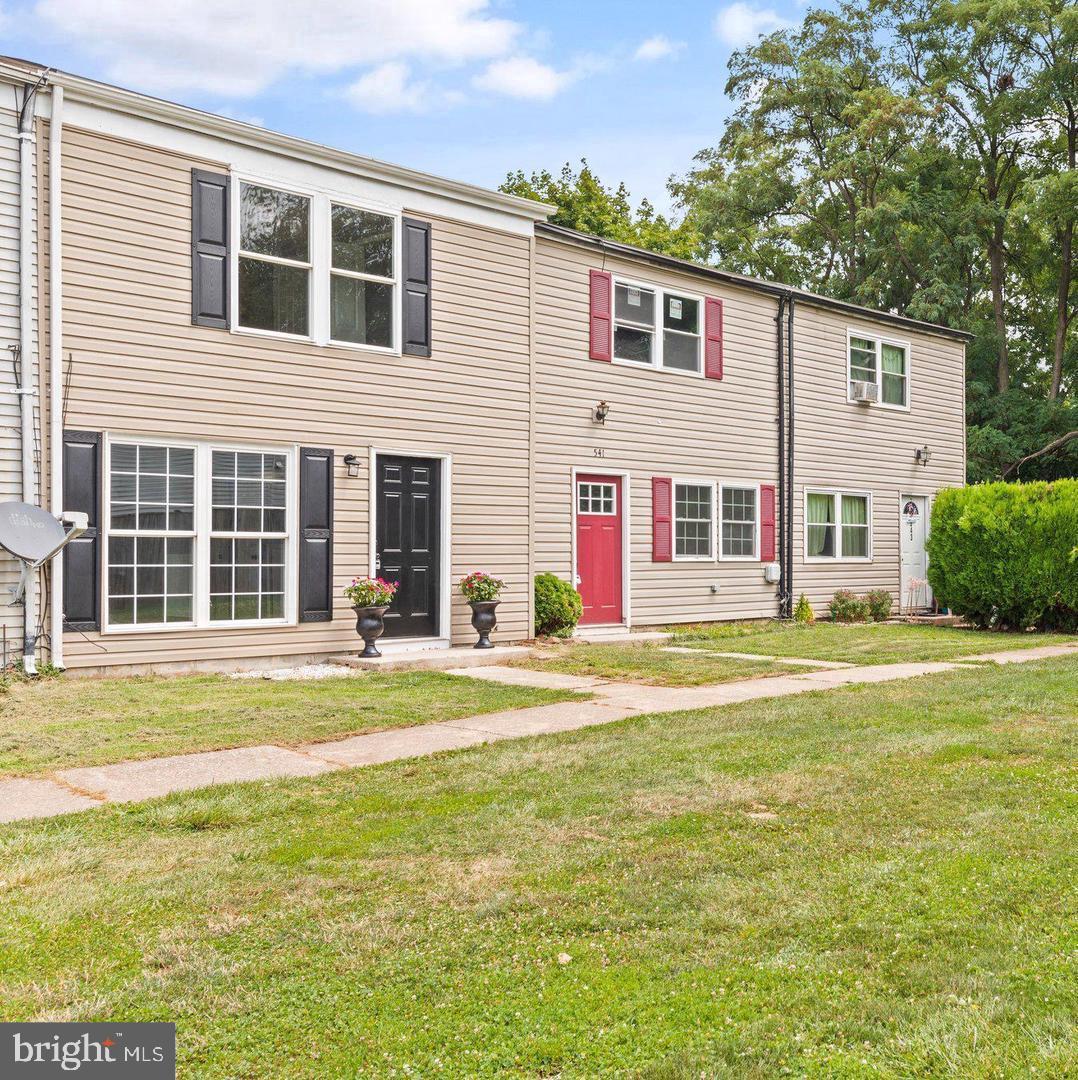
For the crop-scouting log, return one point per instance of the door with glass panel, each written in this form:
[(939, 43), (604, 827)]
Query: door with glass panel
[(598, 548)]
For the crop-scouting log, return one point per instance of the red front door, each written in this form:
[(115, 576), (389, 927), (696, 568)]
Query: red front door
[(598, 547)]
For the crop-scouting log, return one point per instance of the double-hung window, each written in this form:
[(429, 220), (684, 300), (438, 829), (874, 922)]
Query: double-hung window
[(197, 535), (274, 260), (883, 364), (739, 510), (694, 520), (312, 267), (837, 525), (655, 327)]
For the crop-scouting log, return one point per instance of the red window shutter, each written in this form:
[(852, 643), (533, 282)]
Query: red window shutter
[(767, 523), (662, 513), (602, 315), (713, 338)]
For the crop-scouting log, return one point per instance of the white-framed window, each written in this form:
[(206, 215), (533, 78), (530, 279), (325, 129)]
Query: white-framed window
[(883, 363), (694, 520), (315, 266), (838, 525), (593, 498), (656, 327), (739, 520), (197, 534), (274, 271)]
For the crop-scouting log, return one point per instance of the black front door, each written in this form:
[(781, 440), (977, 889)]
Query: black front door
[(409, 542)]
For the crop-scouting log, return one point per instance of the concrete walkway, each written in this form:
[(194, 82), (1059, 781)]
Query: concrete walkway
[(131, 781)]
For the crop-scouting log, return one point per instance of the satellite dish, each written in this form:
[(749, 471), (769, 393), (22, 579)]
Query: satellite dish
[(34, 536), (28, 532)]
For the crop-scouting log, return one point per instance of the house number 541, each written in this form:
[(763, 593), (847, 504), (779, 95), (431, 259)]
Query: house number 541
[(598, 451)]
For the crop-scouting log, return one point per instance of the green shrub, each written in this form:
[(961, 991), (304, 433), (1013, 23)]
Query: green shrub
[(1003, 554), (879, 604), (557, 606), (803, 612), (847, 606)]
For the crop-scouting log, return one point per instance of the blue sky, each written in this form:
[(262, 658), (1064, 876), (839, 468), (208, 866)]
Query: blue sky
[(462, 88)]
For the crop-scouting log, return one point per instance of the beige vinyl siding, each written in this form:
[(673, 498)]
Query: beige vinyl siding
[(854, 447), (11, 617), (661, 424), (139, 367)]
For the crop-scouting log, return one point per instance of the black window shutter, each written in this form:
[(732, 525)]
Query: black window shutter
[(315, 535), (415, 306), (82, 559), (209, 249)]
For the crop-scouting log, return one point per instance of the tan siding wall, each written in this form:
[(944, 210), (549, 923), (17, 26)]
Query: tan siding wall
[(139, 366), (866, 448), (663, 424), (660, 424)]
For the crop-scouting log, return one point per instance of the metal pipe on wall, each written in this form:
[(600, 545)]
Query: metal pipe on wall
[(790, 450), (784, 611), (56, 369), (26, 390)]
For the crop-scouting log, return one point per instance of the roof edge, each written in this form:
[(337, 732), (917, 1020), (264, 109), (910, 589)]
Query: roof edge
[(566, 235), (117, 99)]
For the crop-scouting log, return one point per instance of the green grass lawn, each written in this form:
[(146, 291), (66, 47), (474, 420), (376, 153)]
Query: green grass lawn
[(859, 644), (873, 881), (59, 723), (645, 662)]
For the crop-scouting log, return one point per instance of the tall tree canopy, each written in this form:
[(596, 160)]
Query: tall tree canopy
[(916, 156)]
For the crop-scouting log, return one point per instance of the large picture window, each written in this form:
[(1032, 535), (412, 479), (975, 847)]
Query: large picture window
[(881, 364), (694, 520), (657, 328), (197, 535), (314, 268), (837, 525)]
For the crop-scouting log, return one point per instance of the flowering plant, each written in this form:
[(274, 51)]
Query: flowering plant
[(479, 586), (371, 592)]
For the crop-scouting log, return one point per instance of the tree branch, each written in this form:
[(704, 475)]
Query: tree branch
[(1055, 444)]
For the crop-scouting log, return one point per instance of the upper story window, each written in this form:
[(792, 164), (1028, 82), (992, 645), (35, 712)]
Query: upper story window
[(274, 260), (879, 371), (657, 327), (314, 268), (837, 525)]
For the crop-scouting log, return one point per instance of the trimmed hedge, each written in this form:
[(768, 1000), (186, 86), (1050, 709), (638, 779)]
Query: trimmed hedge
[(558, 606), (1006, 555)]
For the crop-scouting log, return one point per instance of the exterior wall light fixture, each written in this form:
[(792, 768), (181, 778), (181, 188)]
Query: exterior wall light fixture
[(352, 464), (922, 455), (602, 411)]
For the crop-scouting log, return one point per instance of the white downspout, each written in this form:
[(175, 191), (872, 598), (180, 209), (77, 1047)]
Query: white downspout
[(26, 348), (56, 370)]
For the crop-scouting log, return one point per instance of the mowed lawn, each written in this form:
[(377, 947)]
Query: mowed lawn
[(873, 881), (646, 661), (873, 643), (59, 723)]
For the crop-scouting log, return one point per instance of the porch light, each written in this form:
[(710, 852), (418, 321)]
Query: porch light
[(602, 411), (922, 455), (352, 464)]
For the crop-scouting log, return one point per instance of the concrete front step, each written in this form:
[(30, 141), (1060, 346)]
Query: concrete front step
[(459, 656)]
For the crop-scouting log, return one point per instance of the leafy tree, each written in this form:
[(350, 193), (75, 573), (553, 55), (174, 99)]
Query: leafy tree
[(586, 204)]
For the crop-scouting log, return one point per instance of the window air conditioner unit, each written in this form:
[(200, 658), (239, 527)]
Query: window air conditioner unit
[(864, 391)]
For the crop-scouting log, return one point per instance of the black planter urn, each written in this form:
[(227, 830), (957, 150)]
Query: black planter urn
[(370, 626), (484, 620)]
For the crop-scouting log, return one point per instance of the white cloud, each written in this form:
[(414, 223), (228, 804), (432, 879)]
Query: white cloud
[(237, 49), (388, 88), (740, 24), (658, 47), (525, 77)]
